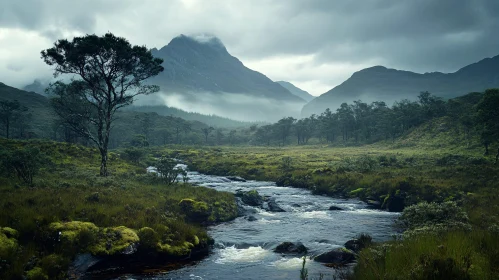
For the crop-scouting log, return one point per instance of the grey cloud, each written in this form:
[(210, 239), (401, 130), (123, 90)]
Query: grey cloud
[(417, 35)]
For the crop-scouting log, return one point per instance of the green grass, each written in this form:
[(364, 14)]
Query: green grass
[(453, 255), (379, 172), (68, 188)]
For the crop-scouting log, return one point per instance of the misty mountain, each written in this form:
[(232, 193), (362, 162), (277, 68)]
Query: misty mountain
[(296, 91), (199, 71), (38, 106), (37, 87), (211, 120), (389, 85)]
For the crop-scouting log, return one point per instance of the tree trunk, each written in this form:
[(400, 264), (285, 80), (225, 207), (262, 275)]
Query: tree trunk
[(103, 162), (486, 149), (497, 156)]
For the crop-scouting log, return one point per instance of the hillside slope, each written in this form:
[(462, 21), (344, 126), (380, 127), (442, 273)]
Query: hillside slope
[(379, 83), (296, 91)]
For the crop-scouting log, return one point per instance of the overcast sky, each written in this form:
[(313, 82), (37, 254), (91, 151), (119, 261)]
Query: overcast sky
[(315, 44)]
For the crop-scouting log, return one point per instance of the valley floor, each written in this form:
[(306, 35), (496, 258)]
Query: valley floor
[(69, 209)]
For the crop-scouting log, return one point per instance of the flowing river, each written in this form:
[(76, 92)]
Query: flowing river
[(244, 249)]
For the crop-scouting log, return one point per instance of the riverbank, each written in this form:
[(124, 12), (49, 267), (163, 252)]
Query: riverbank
[(68, 210), (388, 177), (392, 179)]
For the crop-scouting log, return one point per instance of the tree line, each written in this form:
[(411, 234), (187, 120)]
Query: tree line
[(474, 114)]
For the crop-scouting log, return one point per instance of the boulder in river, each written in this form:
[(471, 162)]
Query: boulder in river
[(236, 178), (252, 198), (291, 248), (273, 206), (340, 256), (251, 218), (335, 208)]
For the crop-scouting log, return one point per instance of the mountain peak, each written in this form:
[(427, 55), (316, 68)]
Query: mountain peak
[(199, 40)]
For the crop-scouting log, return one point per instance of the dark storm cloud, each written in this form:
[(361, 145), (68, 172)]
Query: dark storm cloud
[(340, 36)]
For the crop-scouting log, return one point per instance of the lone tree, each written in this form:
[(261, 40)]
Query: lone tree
[(108, 72)]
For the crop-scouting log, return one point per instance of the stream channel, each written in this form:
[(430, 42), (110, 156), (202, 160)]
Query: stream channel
[(244, 248)]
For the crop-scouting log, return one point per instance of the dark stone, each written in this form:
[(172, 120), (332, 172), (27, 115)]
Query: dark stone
[(337, 256), (251, 218), (335, 208), (296, 205), (236, 178), (251, 198), (273, 206), (81, 265), (291, 248)]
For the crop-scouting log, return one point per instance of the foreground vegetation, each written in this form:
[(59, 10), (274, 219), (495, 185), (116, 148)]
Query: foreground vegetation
[(68, 209), (453, 237)]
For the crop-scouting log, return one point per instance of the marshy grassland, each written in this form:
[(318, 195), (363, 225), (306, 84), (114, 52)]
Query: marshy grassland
[(69, 209)]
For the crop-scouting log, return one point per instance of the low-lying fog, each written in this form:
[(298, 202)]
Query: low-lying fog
[(242, 107)]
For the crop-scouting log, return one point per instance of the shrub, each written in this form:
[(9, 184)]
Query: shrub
[(428, 217), (25, 163), (168, 170), (134, 154)]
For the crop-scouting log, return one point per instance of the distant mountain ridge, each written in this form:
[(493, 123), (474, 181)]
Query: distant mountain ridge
[(296, 91), (379, 83), (205, 65)]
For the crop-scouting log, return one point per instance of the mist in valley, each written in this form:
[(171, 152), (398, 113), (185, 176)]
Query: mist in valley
[(241, 107)]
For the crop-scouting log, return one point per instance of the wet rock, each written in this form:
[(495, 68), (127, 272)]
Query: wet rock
[(236, 178), (296, 205), (251, 198), (251, 218), (81, 265), (340, 256), (335, 208), (273, 206), (291, 248)]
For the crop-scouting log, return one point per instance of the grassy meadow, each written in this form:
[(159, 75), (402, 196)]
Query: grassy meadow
[(69, 198)]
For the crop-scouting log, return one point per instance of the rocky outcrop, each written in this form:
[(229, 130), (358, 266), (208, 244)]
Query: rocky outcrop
[(291, 248), (252, 198)]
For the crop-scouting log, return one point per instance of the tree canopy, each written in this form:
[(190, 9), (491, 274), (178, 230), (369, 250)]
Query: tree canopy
[(107, 73)]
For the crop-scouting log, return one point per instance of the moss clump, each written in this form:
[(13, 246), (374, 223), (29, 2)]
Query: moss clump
[(36, 274), (113, 241), (75, 236), (196, 240), (176, 250), (197, 211), (223, 211), (8, 243), (87, 237)]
